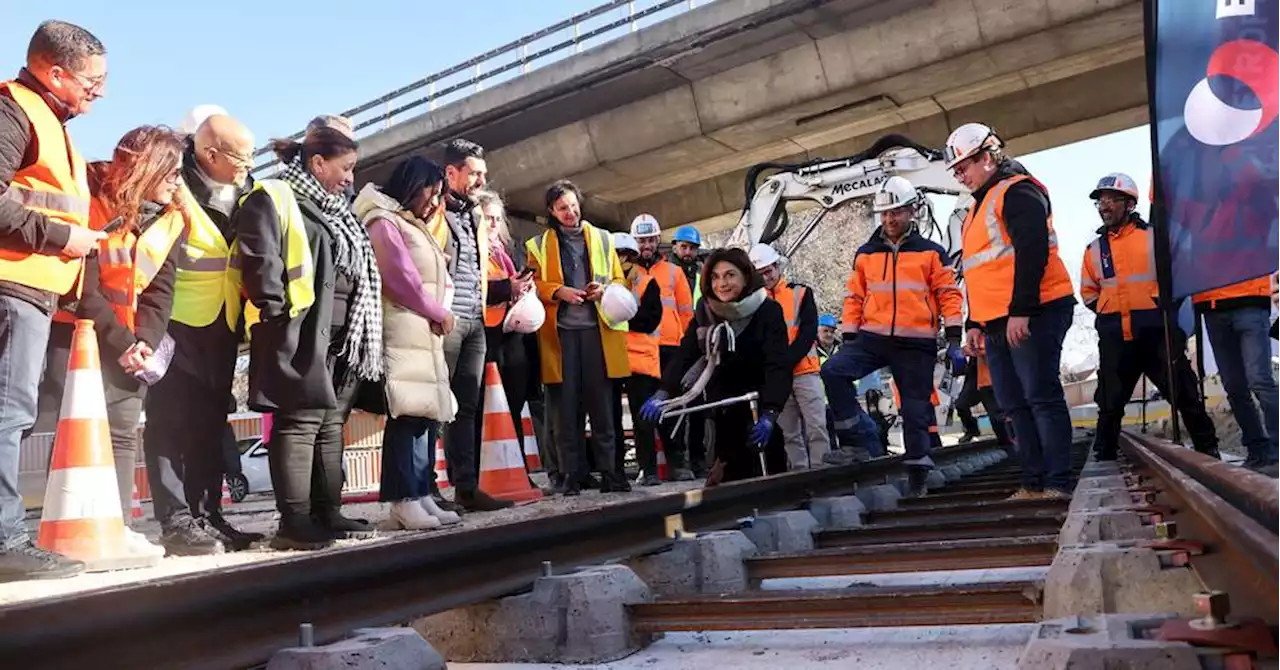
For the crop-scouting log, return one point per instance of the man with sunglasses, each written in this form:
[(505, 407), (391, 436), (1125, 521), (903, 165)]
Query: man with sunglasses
[(1020, 302), (1118, 282), (44, 234)]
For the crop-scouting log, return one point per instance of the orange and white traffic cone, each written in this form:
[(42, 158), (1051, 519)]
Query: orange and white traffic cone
[(442, 466), (532, 460), (226, 493), (661, 459), (502, 473), (139, 482), (82, 518)]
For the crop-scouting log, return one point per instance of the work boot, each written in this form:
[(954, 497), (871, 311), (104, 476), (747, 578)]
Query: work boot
[(479, 501), (237, 540), (555, 485), (184, 536), (301, 533), (447, 505), (1024, 494), (968, 437), (571, 488), (27, 561), (615, 483), (916, 476), (343, 528), (588, 482), (683, 475), (846, 455)]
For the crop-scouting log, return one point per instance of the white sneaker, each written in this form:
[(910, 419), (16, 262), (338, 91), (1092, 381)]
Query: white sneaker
[(446, 517), (138, 544), (409, 515)]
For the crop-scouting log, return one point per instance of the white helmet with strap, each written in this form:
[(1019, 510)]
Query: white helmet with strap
[(762, 256), (968, 140), (645, 225), (1116, 181), (526, 315), (624, 242), (618, 305), (895, 192)]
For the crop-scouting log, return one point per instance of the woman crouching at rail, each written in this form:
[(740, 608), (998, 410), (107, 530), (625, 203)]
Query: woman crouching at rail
[(314, 327), (735, 308), (128, 287)]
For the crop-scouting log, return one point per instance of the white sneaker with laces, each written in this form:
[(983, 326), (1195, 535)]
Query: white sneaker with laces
[(409, 515), (138, 544), (446, 517)]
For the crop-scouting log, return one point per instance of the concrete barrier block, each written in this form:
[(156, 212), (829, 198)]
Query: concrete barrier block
[(880, 498), (384, 648), (782, 532), (951, 473), (704, 564), (1102, 525), (579, 617), (934, 480), (966, 465), (1106, 578), (1105, 642), (1084, 499), (1114, 482), (838, 511)]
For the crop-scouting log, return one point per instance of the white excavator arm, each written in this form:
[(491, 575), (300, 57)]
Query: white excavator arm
[(829, 184)]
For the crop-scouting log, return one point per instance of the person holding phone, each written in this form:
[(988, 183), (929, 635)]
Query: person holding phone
[(127, 287)]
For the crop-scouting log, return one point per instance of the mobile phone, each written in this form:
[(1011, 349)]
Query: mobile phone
[(525, 273), (114, 225)]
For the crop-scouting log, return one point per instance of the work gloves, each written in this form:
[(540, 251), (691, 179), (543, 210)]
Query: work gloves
[(763, 429), (651, 411), (957, 358)]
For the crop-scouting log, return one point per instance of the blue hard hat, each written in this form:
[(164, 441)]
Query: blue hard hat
[(828, 321), (688, 234)]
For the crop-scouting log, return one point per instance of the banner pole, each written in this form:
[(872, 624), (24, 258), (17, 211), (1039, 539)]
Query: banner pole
[(1159, 221)]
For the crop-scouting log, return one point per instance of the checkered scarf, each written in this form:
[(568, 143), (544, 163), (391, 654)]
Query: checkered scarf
[(353, 255)]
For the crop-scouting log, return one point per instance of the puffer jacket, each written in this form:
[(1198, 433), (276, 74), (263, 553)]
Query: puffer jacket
[(417, 376)]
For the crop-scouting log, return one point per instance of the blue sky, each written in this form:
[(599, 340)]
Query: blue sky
[(165, 58)]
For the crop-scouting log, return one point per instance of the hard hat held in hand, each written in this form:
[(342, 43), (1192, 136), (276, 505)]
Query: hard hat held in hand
[(762, 256), (624, 242), (617, 304), (1118, 182), (968, 140), (645, 225), (526, 315), (895, 192)]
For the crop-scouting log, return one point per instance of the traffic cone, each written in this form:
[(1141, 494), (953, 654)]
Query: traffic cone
[(139, 481), (82, 517), (661, 459), (532, 461), (226, 493), (442, 466), (502, 473)]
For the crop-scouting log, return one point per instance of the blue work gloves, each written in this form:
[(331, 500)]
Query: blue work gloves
[(763, 429), (957, 358), (650, 411)]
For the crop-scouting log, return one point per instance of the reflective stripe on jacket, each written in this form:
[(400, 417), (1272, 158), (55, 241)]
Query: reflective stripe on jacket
[(906, 290), (677, 300), (988, 262), (299, 266), (544, 257), (127, 262), (55, 185), (1118, 279), (203, 286), (790, 298)]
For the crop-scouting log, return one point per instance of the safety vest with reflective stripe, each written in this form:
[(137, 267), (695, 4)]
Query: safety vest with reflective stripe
[(204, 285), (543, 253), (55, 185), (494, 314), (790, 298), (300, 269), (903, 290), (677, 300), (127, 262), (988, 258), (642, 348), (1118, 280), (99, 217)]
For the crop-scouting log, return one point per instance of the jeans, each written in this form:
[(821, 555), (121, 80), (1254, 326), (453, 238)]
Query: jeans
[(408, 458), (804, 423), (306, 453), (911, 364), (1030, 392), (464, 349), (1242, 346), (24, 332)]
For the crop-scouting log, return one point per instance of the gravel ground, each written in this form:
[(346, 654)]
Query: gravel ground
[(257, 514)]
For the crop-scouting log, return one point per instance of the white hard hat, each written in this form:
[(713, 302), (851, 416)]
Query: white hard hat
[(624, 242), (762, 256), (526, 315), (1116, 181), (645, 225), (968, 140), (617, 304), (197, 115), (895, 192)]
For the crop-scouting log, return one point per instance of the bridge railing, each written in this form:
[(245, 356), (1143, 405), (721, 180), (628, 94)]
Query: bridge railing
[(593, 27)]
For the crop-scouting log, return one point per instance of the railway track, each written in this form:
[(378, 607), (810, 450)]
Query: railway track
[(238, 617)]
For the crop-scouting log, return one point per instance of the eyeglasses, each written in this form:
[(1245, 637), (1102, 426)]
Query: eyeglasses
[(958, 169), (1109, 200), (91, 85), (174, 177), (236, 159)]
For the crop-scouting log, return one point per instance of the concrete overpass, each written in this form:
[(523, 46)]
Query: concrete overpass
[(667, 119)]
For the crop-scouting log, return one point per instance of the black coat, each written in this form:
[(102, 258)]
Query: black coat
[(289, 364), (758, 363)]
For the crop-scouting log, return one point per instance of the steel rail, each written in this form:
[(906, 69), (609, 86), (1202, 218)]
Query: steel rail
[(900, 557), (978, 527), (239, 616)]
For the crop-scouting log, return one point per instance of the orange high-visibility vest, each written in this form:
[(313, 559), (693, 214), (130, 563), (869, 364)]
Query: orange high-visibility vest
[(988, 258), (642, 348), (127, 262), (494, 314), (677, 300), (55, 185), (790, 297), (1250, 288), (1118, 279)]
